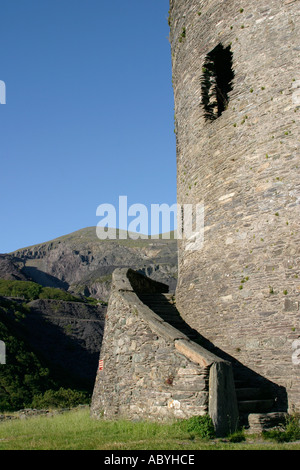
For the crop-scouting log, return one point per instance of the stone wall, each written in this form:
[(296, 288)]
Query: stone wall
[(241, 290), (150, 370)]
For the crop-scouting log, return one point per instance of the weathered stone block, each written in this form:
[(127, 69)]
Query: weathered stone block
[(195, 352)]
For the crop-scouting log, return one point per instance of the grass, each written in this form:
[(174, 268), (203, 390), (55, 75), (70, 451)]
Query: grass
[(75, 430)]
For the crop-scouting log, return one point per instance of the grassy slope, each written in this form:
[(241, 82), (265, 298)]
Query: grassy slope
[(77, 431)]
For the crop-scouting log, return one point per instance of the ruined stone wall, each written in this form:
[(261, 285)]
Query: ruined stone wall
[(241, 290), (150, 370), (142, 374)]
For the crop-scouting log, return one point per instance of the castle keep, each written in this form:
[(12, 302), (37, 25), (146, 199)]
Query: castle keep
[(237, 103), (231, 346)]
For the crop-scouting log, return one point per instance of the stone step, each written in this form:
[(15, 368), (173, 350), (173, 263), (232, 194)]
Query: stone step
[(249, 398), (168, 312), (163, 309), (156, 300), (169, 317), (157, 296), (255, 406), (184, 330), (248, 393), (162, 305), (178, 323), (259, 422)]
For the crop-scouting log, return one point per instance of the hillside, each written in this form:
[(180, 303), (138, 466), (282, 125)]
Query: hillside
[(52, 340), (52, 310), (10, 269), (81, 263)]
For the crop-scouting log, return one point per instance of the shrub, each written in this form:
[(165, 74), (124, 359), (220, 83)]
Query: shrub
[(237, 436), (290, 432), (29, 290), (201, 426), (25, 380), (62, 398), (24, 289), (23, 376), (57, 294)]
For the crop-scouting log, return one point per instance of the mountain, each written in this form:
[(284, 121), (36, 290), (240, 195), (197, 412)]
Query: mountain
[(82, 263), (10, 269), (53, 304)]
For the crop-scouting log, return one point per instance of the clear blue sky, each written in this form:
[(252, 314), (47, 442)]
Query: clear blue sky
[(89, 113)]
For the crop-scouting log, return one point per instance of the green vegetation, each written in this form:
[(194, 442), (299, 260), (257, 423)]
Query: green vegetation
[(75, 430), (182, 35), (290, 432), (25, 381), (201, 426), (23, 376), (62, 398), (237, 436), (29, 290), (57, 294)]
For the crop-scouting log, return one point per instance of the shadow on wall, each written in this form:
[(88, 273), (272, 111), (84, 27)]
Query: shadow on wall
[(246, 380)]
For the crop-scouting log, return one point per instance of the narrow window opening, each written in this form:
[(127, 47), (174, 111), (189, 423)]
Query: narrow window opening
[(216, 81)]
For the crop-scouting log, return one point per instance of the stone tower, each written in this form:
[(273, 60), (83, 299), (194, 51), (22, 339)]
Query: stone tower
[(237, 98)]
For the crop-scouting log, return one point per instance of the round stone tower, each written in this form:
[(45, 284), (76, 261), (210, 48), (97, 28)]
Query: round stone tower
[(237, 106)]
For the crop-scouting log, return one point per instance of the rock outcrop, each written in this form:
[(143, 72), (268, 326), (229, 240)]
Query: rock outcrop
[(81, 263)]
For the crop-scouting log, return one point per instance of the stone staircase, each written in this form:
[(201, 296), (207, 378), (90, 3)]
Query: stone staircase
[(256, 406), (252, 400), (164, 305)]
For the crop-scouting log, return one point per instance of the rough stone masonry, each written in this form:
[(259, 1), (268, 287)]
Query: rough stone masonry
[(150, 370), (237, 103)]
